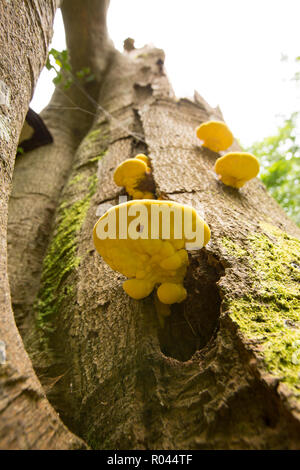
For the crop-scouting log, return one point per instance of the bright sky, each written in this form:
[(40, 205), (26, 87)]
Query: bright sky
[(230, 51)]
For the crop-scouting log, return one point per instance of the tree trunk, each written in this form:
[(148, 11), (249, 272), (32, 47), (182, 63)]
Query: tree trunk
[(27, 419), (223, 371)]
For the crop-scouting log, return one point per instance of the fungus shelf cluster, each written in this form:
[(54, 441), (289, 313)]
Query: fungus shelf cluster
[(133, 174), (144, 253), (215, 135), (234, 168), (148, 251)]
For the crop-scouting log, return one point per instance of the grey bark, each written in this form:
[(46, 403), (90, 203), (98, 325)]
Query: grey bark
[(27, 420)]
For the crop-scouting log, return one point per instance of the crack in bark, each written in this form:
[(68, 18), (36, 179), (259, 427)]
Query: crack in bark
[(32, 77)]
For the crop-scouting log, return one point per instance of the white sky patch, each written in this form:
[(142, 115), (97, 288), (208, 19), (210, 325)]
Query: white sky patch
[(229, 51)]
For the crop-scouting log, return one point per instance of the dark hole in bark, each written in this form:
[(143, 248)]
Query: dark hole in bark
[(146, 184), (270, 421), (138, 146), (142, 93), (193, 322)]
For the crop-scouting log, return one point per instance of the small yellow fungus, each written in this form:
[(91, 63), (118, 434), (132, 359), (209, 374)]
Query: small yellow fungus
[(215, 135), (170, 293), (162, 310), (143, 158), (236, 168), (146, 241), (133, 174)]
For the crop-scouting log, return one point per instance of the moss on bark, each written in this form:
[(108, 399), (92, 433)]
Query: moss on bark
[(270, 315), (62, 259)]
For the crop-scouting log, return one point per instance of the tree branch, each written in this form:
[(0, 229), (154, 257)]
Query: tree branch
[(27, 419), (87, 21)]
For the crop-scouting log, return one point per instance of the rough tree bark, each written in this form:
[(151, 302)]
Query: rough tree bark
[(26, 417), (224, 370)]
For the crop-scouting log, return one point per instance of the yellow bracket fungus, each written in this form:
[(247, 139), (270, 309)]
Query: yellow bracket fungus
[(215, 135), (147, 241), (236, 168), (134, 175)]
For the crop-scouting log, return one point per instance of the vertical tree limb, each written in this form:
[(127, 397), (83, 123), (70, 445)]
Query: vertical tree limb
[(27, 419)]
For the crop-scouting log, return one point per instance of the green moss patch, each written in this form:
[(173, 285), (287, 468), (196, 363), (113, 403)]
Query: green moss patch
[(233, 248), (97, 158), (61, 259), (94, 135), (270, 314)]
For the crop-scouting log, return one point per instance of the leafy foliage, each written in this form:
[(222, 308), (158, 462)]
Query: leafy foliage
[(279, 157), (59, 62)]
